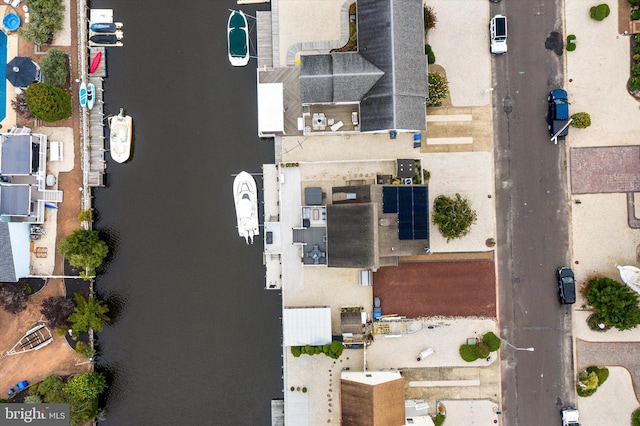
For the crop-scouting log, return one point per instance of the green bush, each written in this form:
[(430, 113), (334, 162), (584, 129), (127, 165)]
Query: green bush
[(635, 69), (453, 216), (469, 352), (482, 349), (636, 57), (48, 103), (571, 43), (581, 120), (46, 18), (431, 57), (634, 83), (634, 2), (636, 49), (635, 417), (54, 69), (635, 15), (438, 420), (438, 88), (492, 341), (614, 301), (296, 351), (334, 350), (600, 11), (590, 379), (637, 37)]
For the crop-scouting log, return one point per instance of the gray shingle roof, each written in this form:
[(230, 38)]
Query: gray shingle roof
[(388, 73), (15, 199), (7, 268), (16, 155)]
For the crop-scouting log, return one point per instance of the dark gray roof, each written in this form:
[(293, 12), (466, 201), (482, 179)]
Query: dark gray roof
[(16, 155), (388, 73), (15, 199), (351, 235), (7, 268)]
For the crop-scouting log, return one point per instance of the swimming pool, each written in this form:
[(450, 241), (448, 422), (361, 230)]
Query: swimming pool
[(3, 75)]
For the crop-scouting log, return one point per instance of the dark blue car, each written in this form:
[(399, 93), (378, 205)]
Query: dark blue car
[(558, 114), (566, 286)]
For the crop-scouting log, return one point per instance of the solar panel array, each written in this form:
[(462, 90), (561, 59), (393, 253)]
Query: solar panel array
[(411, 203)]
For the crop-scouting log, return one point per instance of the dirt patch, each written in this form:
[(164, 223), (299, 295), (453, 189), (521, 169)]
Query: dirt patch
[(437, 288)]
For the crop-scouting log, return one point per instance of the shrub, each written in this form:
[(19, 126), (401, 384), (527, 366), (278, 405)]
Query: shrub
[(56, 309), (590, 379), (438, 88), (637, 38), (636, 49), (482, 349), (46, 18), (634, 2), (12, 298), (469, 353), (453, 216), (636, 57), (600, 12), (581, 120), (634, 83), (334, 350), (54, 68), (635, 69), (48, 103), (635, 417), (492, 341), (431, 57), (438, 420), (635, 15), (571, 43), (614, 301), (430, 18)]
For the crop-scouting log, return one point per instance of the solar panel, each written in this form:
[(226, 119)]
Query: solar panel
[(390, 199)]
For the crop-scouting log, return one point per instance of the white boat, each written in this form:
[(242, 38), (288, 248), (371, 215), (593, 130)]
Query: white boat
[(245, 196), (630, 275), (238, 39), (120, 136), (91, 95)]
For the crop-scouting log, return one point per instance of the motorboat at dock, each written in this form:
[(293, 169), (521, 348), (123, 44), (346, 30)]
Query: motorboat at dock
[(238, 39), (245, 196), (120, 127)]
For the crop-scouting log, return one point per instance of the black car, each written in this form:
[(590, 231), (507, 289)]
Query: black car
[(566, 286)]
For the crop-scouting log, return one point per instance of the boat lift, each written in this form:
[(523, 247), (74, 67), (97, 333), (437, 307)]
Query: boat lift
[(36, 338)]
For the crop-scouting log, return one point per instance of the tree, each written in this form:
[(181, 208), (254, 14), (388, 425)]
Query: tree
[(581, 120), (48, 103), (88, 313), (438, 88), (54, 69), (85, 250), (46, 18), (614, 301), (56, 309), (51, 389), (453, 216), (13, 298), (32, 399), (19, 105)]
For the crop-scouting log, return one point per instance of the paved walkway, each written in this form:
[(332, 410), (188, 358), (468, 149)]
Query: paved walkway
[(605, 169)]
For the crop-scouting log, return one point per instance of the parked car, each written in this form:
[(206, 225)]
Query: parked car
[(558, 114), (570, 417), (498, 34), (377, 311), (566, 285), (17, 388)]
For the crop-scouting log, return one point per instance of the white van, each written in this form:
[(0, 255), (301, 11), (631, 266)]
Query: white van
[(498, 34)]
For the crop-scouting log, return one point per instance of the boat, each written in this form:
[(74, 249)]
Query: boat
[(36, 338), (120, 136), (106, 36), (91, 95), (82, 92), (95, 63), (107, 39), (245, 196), (238, 39), (630, 275), (105, 27)]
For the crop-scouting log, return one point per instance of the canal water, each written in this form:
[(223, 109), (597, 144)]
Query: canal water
[(195, 338)]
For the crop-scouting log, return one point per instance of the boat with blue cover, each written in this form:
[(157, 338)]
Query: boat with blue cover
[(238, 39)]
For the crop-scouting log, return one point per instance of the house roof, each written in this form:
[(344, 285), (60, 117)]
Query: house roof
[(351, 235), (14, 251), (15, 200), (372, 399), (306, 326), (16, 155), (7, 269), (388, 74)]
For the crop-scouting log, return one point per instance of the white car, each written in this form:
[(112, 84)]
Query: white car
[(498, 34)]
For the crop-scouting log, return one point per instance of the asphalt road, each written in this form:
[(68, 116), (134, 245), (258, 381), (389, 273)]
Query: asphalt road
[(532, 215)]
